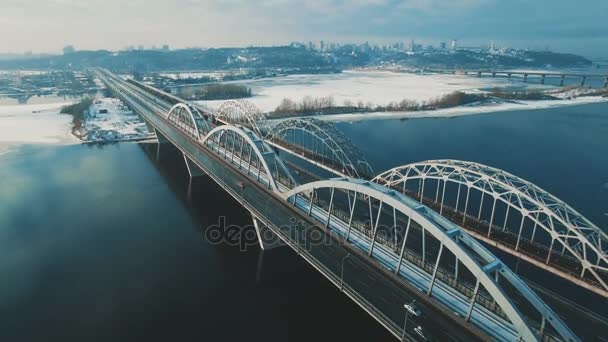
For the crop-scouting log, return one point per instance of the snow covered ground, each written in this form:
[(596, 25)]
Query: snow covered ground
[(383, 87), (34, 124), (110, 120), (376, 87)]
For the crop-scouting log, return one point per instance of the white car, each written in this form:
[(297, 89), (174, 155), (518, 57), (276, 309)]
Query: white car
[(413, 309), (418, 330)]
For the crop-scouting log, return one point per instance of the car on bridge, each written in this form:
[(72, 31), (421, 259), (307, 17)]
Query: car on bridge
[(421, 334), (413, 309)]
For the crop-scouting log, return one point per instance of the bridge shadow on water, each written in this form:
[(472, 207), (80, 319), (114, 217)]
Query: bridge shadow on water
[(273, 295)]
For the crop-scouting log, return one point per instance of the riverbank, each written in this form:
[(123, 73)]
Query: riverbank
[(472, 109)]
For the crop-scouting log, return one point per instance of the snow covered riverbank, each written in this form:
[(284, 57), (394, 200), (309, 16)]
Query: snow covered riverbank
[(383, 87), (108, 119), (458, 111)]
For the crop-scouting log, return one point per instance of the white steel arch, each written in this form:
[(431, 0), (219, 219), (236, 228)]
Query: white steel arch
[(353, 162), (240, 112), (264, 153), (566, 226), (188, 115), (475, 257)]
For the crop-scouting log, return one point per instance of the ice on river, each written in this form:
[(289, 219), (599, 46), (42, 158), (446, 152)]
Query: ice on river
[(34, 124)]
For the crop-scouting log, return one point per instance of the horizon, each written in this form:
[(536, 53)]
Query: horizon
[(111, 25)]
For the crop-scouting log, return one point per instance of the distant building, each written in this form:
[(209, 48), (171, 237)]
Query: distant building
[(69, 49)]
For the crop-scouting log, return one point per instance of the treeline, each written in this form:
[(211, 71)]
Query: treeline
[(77, 111), (327, 105), (506, 94), (218, 92)]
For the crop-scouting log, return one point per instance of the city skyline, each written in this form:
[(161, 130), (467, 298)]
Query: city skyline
[(113, 25)]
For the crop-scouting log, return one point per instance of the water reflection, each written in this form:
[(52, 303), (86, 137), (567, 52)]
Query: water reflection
[(102, 243)]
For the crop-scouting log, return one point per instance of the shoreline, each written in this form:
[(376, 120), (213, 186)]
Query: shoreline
[(454, 111)]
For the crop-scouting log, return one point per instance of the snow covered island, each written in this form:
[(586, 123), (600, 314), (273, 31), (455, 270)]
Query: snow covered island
[(108, 120)]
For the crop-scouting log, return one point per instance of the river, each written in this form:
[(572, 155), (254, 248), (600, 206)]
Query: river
[(103, 243)]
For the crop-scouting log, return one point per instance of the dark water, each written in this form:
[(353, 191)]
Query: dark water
[(563, 150), (104, 243)]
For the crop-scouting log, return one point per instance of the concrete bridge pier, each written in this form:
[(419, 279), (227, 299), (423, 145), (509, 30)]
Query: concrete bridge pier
[(479, 74), (193, 169), (561, 82), (267, 239), (509, 75), (542, 79), (583, 79), (162, 140), (605, 82), (525, 77), (493, 74)]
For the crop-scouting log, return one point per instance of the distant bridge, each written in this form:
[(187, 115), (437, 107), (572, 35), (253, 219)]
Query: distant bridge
[(381, 247), (542, 75)]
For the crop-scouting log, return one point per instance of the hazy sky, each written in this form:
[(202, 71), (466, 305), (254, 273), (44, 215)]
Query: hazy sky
[(48, 25)]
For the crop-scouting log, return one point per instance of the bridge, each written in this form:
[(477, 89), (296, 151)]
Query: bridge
[(379, 246), (542, 75)]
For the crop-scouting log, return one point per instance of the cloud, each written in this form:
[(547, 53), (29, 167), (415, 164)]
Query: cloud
[(115, 24)]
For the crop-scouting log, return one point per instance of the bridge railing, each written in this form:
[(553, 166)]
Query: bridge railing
[(445, 276)]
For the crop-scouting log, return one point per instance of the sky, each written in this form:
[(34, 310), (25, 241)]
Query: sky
[(49, 25)]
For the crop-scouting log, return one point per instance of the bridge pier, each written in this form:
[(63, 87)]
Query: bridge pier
[(159, 136), (583, 79), (509, 75), (525, 77), (561, 82), (605, 82), (193, 169), (479, 74), (494, 74), (542, 79), (267, 239)]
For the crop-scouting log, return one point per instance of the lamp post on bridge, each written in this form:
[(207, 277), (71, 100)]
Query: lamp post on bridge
[(407, 313), (342, 273)]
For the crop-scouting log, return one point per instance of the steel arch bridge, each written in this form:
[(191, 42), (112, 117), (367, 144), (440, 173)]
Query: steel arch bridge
[(244, 148), (323, 143), (240, 112), (389, 237), (538, 220), (189, 119)]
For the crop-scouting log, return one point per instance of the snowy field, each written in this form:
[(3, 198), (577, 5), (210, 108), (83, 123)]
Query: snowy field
[(383, 87), (376, 87), (34, 124), (109, 120)]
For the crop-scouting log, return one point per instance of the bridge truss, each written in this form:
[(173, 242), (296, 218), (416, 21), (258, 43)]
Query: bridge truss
[(321, 142), (189, 119), (494, 204), (240, 112), (242, 147), (420, 246)]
